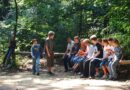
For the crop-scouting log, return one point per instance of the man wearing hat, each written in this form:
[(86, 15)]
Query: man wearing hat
[(49, 49)]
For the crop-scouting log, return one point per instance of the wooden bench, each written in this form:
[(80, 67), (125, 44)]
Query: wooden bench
[(124, 62), (29, 53), (123, 69)]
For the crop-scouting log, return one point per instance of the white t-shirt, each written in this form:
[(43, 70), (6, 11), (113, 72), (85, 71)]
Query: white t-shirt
[(111, 56), (105, 50), (69, 47), (91, 51)]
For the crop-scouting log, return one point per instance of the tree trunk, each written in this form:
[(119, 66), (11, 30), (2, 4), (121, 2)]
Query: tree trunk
[(15, 28)]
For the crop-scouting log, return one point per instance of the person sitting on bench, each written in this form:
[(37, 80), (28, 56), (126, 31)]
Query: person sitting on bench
[(117, 54), (67, 55), (95, 63), (79, 56), (84, 65), (106, 57)]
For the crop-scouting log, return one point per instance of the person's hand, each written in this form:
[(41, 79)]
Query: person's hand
[(63, 56), (49, 55)]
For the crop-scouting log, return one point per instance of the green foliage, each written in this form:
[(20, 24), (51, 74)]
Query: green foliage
[(67, 18)]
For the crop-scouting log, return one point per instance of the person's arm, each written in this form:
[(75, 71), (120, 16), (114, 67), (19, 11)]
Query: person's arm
[(78, 47), (32, 54), (47, 50), (65, 51), (98, 51), (97, 54)]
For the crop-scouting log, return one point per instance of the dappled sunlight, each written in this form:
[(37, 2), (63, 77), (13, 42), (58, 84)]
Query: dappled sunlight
[(26, 81)]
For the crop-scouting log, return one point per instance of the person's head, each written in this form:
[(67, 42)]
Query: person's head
[(99, 41), (110, 41), (115, 43), (34, 41), (69, 39), (76, 39), (82, 45), (105, 42), (86, 42), (81, 40), (93, 39), (51, 34)]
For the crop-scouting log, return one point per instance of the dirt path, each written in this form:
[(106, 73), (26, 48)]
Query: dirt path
[(61, 81)]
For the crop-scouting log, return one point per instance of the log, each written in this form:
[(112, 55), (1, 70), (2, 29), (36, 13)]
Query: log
[(124, 62), (29, 53)]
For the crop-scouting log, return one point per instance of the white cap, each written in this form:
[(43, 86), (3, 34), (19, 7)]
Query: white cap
[(51, 32), (93, 36)]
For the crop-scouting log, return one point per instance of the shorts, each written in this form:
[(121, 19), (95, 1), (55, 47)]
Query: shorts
[(50, 61), (104, 63)]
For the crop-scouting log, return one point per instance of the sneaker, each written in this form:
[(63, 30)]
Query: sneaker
[(38, 74), (110, 78), (83, 76), (79, 73), (97, 75), (91, 77), (50, 73), (66, 71), (114, 79), (104, 77)]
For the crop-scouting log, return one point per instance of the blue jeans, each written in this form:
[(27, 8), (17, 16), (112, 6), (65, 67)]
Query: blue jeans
[(112, 68), (36, 65)]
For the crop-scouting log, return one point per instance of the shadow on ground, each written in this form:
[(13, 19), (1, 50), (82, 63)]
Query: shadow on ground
[(61, 81)]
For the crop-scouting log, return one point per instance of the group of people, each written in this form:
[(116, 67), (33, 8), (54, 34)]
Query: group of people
[(88, 56), (49, 50), (83, 56)]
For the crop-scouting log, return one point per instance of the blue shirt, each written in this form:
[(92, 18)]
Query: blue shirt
[(35, 51)]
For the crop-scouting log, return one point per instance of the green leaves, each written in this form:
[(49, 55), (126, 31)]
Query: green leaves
[(66, 18)]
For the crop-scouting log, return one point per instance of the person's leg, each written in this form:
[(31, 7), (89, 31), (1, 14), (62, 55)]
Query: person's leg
[(86, 68), (69, 61), (5, 58), (114, 66), (110, 70), (11, 51), (92, 67), (65, 60), (97, 64), (33, 67), (49, 64), (52, 64), (104, 70), (107, 68), (103, 65), (80, 59), (75, 60), (81, 67), (37, 64)]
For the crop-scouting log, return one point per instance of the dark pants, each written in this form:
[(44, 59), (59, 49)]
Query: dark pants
[(84, 68), (93, 65), (67, 62), (8, 55)]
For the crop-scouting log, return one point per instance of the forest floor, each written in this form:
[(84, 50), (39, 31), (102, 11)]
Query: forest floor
[(61, 81)]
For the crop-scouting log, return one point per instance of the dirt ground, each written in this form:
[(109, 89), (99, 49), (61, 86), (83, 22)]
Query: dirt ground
[(61, 81)]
